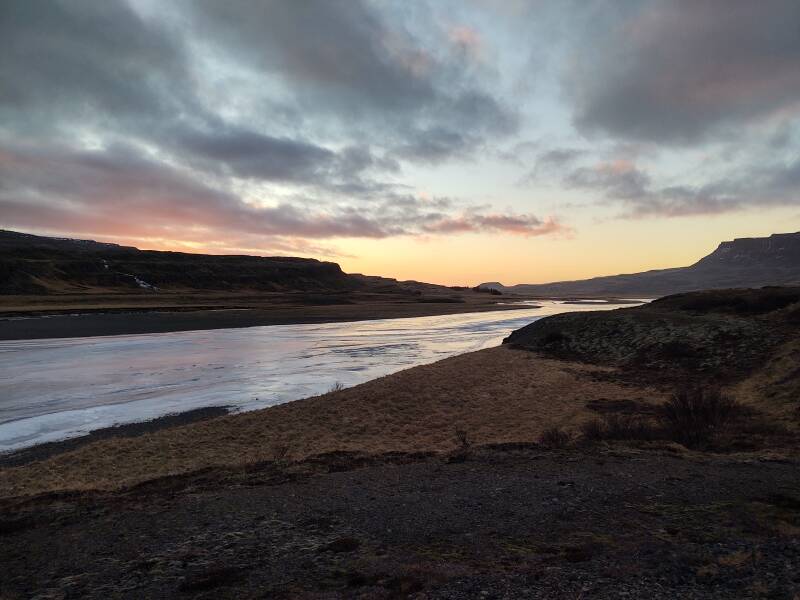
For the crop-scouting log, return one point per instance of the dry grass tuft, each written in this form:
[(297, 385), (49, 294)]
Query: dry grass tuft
[(555, 438)]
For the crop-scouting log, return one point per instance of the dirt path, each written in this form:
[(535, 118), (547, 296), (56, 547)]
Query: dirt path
[(507, 523)]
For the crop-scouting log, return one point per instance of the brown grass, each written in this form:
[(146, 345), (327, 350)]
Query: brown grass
[(774, 389), (494, 396)]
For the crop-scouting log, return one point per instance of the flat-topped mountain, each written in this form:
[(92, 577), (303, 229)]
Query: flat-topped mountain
[(745, 262), (31, 264), (89, 288), (778, 251)]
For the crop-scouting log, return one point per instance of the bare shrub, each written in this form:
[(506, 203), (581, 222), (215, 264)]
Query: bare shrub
[(629, 427), (463, 439), (279, 452), (463, 448), (554, 438), (693, 416), (336, 387), (620, 427), (593, 430)]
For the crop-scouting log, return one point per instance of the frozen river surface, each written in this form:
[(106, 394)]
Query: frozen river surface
[(58, 388)]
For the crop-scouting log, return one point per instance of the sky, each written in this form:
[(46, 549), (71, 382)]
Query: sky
[(454, 142)]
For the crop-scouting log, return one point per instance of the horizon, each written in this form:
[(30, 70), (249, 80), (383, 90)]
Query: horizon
[(504, 284), (448, 142)]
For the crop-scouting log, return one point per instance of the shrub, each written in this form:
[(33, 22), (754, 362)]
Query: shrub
[(336, 387), (593, 430), (619, 427), (694, 415), (464, 448), (279, 452), (463, 439), (629, 427), (554, 438)]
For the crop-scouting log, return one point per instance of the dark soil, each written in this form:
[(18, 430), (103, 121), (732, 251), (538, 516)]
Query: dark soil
[(507, 522)]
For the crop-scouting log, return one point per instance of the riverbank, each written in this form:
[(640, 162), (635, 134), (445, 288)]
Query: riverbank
[(499, 395), (87, 321), (128, 430)]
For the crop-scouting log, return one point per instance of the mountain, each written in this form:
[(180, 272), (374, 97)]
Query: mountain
[(745, 262), (31, 264)]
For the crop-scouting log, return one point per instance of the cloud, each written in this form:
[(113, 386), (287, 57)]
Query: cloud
[(618, 179), (121, 193), (623, 183), (551, 162), (358, 66), (247, 154), (466, 40), (283, 121), (250, 154), (98, 62), (525, 225), (679, 72)]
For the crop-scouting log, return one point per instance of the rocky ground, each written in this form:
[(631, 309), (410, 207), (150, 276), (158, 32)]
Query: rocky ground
[(503, 522)]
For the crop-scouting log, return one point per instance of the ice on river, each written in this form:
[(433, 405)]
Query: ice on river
[(59, 388)]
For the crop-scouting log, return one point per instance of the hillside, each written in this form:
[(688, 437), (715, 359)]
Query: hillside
[(38, 265), (41, 265), (715, 336), (88, 288), (746, 262)]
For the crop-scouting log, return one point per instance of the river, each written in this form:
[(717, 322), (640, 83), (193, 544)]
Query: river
[(59, 388)]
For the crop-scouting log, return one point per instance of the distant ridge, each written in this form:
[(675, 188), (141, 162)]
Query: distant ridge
[(40, 265), (744, 262), (32, 264)]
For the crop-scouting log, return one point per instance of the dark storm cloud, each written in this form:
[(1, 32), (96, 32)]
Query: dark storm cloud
[(103, 62), (87, 60), (351, 63), (679, 71), (124, 121), (340, 50), (624, 184), (252, 155)]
